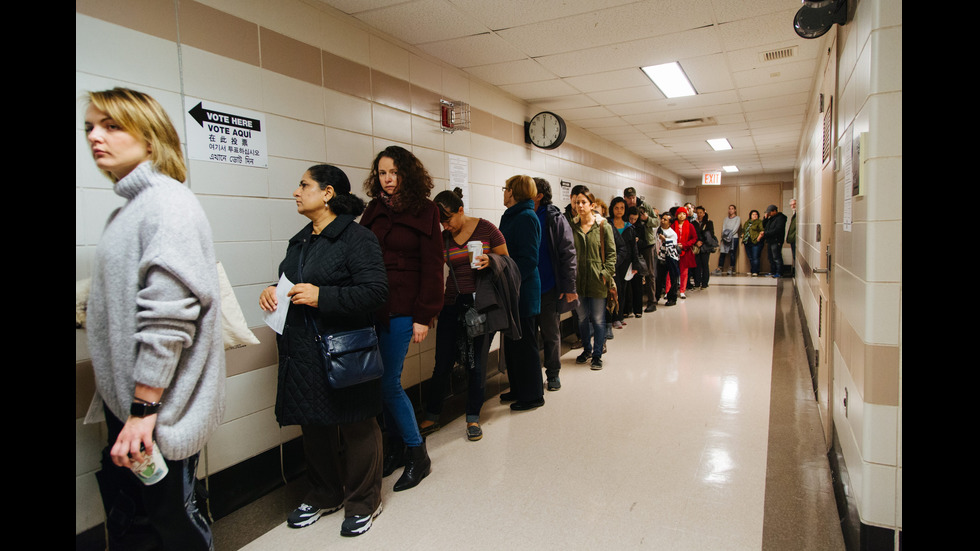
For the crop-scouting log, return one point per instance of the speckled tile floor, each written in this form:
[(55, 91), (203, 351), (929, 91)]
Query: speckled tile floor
[(699, 433)]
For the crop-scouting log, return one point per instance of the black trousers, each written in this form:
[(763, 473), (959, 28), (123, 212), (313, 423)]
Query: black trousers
[(161, 516), (524, 363), (701, 272), (669, 268), (449, 330)]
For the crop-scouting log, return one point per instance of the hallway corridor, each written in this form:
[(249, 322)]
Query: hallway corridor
[(691, 437)]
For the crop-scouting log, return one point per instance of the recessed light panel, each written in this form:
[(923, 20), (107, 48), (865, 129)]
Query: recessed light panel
[(671, 80), (730, 168), (719, 144)]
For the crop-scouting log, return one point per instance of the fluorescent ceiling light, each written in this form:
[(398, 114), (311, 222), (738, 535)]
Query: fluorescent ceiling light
[(719, 144), (730, 168), (671, 80)]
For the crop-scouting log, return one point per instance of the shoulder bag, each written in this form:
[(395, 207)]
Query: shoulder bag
[(349, 357), (476, 321)]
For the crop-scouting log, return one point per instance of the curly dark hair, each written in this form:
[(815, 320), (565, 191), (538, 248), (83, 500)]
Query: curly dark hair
[(414, 182)]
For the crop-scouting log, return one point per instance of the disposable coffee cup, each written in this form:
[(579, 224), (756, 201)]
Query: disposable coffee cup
[(475, 249), (150, 469)]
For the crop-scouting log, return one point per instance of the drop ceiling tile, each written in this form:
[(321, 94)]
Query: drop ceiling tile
[(638, 53), (708, 74), (565, 102), (511, 72), (592, 116), (616, 25), (503, 14), (771, 28), (538, 90), (609, 80), (442, 21), (646, 93), (481, 49)]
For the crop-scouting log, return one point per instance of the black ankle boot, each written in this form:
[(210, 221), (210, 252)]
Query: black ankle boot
[(394, 456), (417, 466)]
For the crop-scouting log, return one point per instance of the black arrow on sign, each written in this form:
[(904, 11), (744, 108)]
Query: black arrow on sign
[(200, 114)]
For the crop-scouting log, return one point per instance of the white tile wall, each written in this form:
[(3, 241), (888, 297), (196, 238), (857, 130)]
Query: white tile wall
[(295, 139), (347, 112), (147, 60), (392, 124), (868, 286)]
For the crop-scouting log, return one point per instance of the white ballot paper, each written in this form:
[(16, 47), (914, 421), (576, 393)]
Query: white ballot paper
[(277, 319)]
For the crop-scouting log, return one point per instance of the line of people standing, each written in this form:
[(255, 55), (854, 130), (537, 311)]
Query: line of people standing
[(156, 341)]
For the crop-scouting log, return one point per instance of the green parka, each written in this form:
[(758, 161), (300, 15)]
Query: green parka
[(593, 269)]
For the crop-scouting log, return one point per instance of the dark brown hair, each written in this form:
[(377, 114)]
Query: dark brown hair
[(414, 182), (449, 203)]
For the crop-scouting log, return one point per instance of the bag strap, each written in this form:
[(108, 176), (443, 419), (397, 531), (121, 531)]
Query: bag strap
[(452, 271)]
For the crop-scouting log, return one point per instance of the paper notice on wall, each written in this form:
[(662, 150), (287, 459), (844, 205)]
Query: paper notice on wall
[(225, 134), (846, 170), (566, 192), (459, 173)]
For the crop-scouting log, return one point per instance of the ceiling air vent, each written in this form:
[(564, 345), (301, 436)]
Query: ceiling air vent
[(781, 53), (690, 123)]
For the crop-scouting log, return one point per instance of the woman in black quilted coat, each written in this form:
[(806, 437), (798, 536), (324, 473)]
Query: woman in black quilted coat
[(339, 280)]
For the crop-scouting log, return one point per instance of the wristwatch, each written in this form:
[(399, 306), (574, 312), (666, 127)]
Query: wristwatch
[(143, 409)]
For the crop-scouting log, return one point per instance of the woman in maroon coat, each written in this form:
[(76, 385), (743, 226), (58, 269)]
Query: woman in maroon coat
[(687, 237), (407, 226)]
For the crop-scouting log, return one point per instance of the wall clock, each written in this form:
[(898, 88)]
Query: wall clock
[(546, 130)]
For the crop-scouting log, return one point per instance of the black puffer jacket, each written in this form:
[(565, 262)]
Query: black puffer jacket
[(345, 262)]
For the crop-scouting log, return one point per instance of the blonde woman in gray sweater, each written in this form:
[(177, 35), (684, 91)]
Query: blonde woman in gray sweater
[(154, 321)]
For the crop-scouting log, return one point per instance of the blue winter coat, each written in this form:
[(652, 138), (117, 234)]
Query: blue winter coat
[(522, 231)]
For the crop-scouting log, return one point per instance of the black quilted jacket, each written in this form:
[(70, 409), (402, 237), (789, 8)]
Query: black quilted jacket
[(345, 262)]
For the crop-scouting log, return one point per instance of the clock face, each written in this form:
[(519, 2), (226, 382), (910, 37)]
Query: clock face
[(546, 130)]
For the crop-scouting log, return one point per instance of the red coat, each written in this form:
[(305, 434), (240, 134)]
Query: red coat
[(412, 250), (687, 237)]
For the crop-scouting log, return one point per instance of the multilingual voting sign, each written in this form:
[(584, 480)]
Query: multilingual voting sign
[(225, 134)]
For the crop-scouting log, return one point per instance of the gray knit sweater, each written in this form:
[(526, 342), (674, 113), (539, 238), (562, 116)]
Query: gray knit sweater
[(154, 310)]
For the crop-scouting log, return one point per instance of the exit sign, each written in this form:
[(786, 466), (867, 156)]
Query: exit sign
[(711, 179)]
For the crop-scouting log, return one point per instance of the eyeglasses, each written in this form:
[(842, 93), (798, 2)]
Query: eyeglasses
[(505, 188)]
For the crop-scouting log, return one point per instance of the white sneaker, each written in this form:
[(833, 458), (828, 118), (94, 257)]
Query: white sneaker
[(305, 515), (358, 524)]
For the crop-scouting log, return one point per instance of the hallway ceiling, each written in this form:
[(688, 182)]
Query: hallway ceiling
[(582, 58)]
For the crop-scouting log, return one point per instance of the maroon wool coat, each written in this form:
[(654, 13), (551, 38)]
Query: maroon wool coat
[(413, 256)]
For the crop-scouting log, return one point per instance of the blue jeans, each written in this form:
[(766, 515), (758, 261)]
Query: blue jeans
[(753, 250), (399, 412), (592, 320)]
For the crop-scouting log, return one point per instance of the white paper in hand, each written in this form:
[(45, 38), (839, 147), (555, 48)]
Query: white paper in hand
[(277, 319)]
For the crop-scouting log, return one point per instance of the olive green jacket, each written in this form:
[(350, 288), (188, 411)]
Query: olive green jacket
[(751, 231), (594, 268)]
